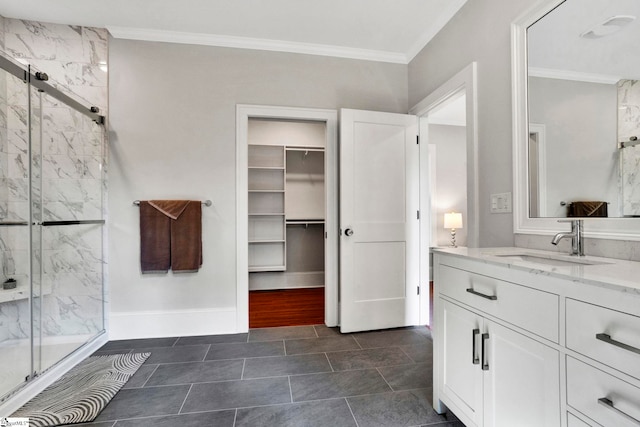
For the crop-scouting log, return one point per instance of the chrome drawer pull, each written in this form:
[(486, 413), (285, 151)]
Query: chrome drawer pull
[(491, 297), (609, 405), (474, 358), (607, 338)]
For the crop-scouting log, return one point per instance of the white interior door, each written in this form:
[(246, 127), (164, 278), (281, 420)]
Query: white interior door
[(379, 202)]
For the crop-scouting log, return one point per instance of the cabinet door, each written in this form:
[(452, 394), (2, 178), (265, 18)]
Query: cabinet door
[(522, 380), (461, 378)]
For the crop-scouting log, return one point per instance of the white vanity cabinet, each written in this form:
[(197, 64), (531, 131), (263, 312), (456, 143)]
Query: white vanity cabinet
[(489, 373), (520, 344)]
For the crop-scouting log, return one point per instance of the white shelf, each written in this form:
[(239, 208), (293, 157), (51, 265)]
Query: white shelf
[(266, 191), (267, 168), (265, 241), (267, 268), (267, 214), (20, 293), (304, 221)]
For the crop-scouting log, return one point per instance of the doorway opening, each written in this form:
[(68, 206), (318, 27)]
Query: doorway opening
[(449, 146), (287, 209), (287, 233)]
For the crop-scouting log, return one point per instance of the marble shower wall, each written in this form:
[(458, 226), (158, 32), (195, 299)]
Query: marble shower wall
[(628, 126), (68, 176)]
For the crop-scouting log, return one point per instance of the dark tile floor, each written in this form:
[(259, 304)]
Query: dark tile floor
[(283, 377)]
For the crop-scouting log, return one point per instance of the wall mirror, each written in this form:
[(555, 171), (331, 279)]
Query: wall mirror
[(576, 76)]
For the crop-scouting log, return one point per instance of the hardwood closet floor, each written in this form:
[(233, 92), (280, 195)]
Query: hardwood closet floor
[(287, 307)]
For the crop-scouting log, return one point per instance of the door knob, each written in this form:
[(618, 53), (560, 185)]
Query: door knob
[(348, 232)]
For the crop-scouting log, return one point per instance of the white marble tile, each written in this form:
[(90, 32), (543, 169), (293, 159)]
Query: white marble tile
[(18, 189), (62, 166), (44, 30), (28, 46), (616, 249), (95, 34), (17, 117), (70, 50), (95, 51), (18, 166), (18, 141)]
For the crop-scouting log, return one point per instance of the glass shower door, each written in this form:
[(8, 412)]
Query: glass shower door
[(67, 211), (15, 292)]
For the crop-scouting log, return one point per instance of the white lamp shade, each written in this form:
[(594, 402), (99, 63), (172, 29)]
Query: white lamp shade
[(453, 220)]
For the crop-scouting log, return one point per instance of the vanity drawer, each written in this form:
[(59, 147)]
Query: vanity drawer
[(573, 421), (621, 350), (528, 308), (605, 399)]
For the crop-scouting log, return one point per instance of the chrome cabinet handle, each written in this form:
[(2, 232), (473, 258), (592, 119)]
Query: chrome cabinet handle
[(474, 358), (485, 365), (607, 338), (607, 403), (348, 232), (491, 297)]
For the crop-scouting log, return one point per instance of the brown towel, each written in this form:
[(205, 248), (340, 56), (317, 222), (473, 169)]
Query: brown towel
[(582, 209), (155, 239), (170, 235), (186, 238)]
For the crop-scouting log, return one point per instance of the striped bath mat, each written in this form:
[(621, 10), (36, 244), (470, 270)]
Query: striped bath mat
[(80, 395)]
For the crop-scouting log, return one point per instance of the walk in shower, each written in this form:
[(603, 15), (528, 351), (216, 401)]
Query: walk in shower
[(51, 225)]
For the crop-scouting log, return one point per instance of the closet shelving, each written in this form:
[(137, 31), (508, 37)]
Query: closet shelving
[(286, 204), (267, 244)]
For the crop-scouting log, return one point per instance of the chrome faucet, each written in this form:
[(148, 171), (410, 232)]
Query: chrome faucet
[(576, 234)]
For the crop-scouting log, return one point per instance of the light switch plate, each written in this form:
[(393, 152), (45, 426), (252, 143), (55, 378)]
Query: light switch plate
[(501, 203)]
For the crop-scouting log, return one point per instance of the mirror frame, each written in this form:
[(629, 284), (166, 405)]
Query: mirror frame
[(600, 228)]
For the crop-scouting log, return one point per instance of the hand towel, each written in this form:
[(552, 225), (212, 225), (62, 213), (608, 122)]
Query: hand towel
[(155, 240), (186, 238), (587, 208)]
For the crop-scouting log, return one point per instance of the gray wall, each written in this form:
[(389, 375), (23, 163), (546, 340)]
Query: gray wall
[(580, 122), (172, 135), (479, 32), (451, 179)]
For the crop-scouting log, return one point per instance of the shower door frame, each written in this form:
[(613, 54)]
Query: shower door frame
[(36, 381)]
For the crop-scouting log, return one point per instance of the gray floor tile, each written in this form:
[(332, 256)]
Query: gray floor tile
[(212, 339), (408, 377), (244, 350), (186, 353), (287, 332), (402, 408), (389, 338), (101, 352), (139, 343), (141, 376), (323, 413), (420, 353), (237, 394), (325, 331), (202, 419), (370, 358), (105, 424), (445, 424), (143, 402), (285, 365), (337, 384), (321, 345), (196, 372)]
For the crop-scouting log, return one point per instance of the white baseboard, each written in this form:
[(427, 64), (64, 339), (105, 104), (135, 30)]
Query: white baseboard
[(32, 389), (285, 280), (179, 323)]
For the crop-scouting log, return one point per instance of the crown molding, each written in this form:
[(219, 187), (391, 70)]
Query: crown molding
[(258, 44), (578, 76)]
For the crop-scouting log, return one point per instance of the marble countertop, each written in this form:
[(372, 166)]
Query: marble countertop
[(605, 272)]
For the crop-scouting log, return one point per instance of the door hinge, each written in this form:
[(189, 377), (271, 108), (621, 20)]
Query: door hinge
[(417, 214), (418, 289), (418, 139)]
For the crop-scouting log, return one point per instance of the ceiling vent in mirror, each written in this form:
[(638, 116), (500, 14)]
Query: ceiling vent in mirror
[(608, 26)]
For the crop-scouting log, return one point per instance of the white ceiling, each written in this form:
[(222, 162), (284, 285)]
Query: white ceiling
[(383, 30), (555, 44)]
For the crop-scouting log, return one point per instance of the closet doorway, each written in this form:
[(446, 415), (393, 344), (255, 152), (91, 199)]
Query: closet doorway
[(286, 169)]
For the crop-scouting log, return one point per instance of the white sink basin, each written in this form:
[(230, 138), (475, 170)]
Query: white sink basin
[(559, 260)]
